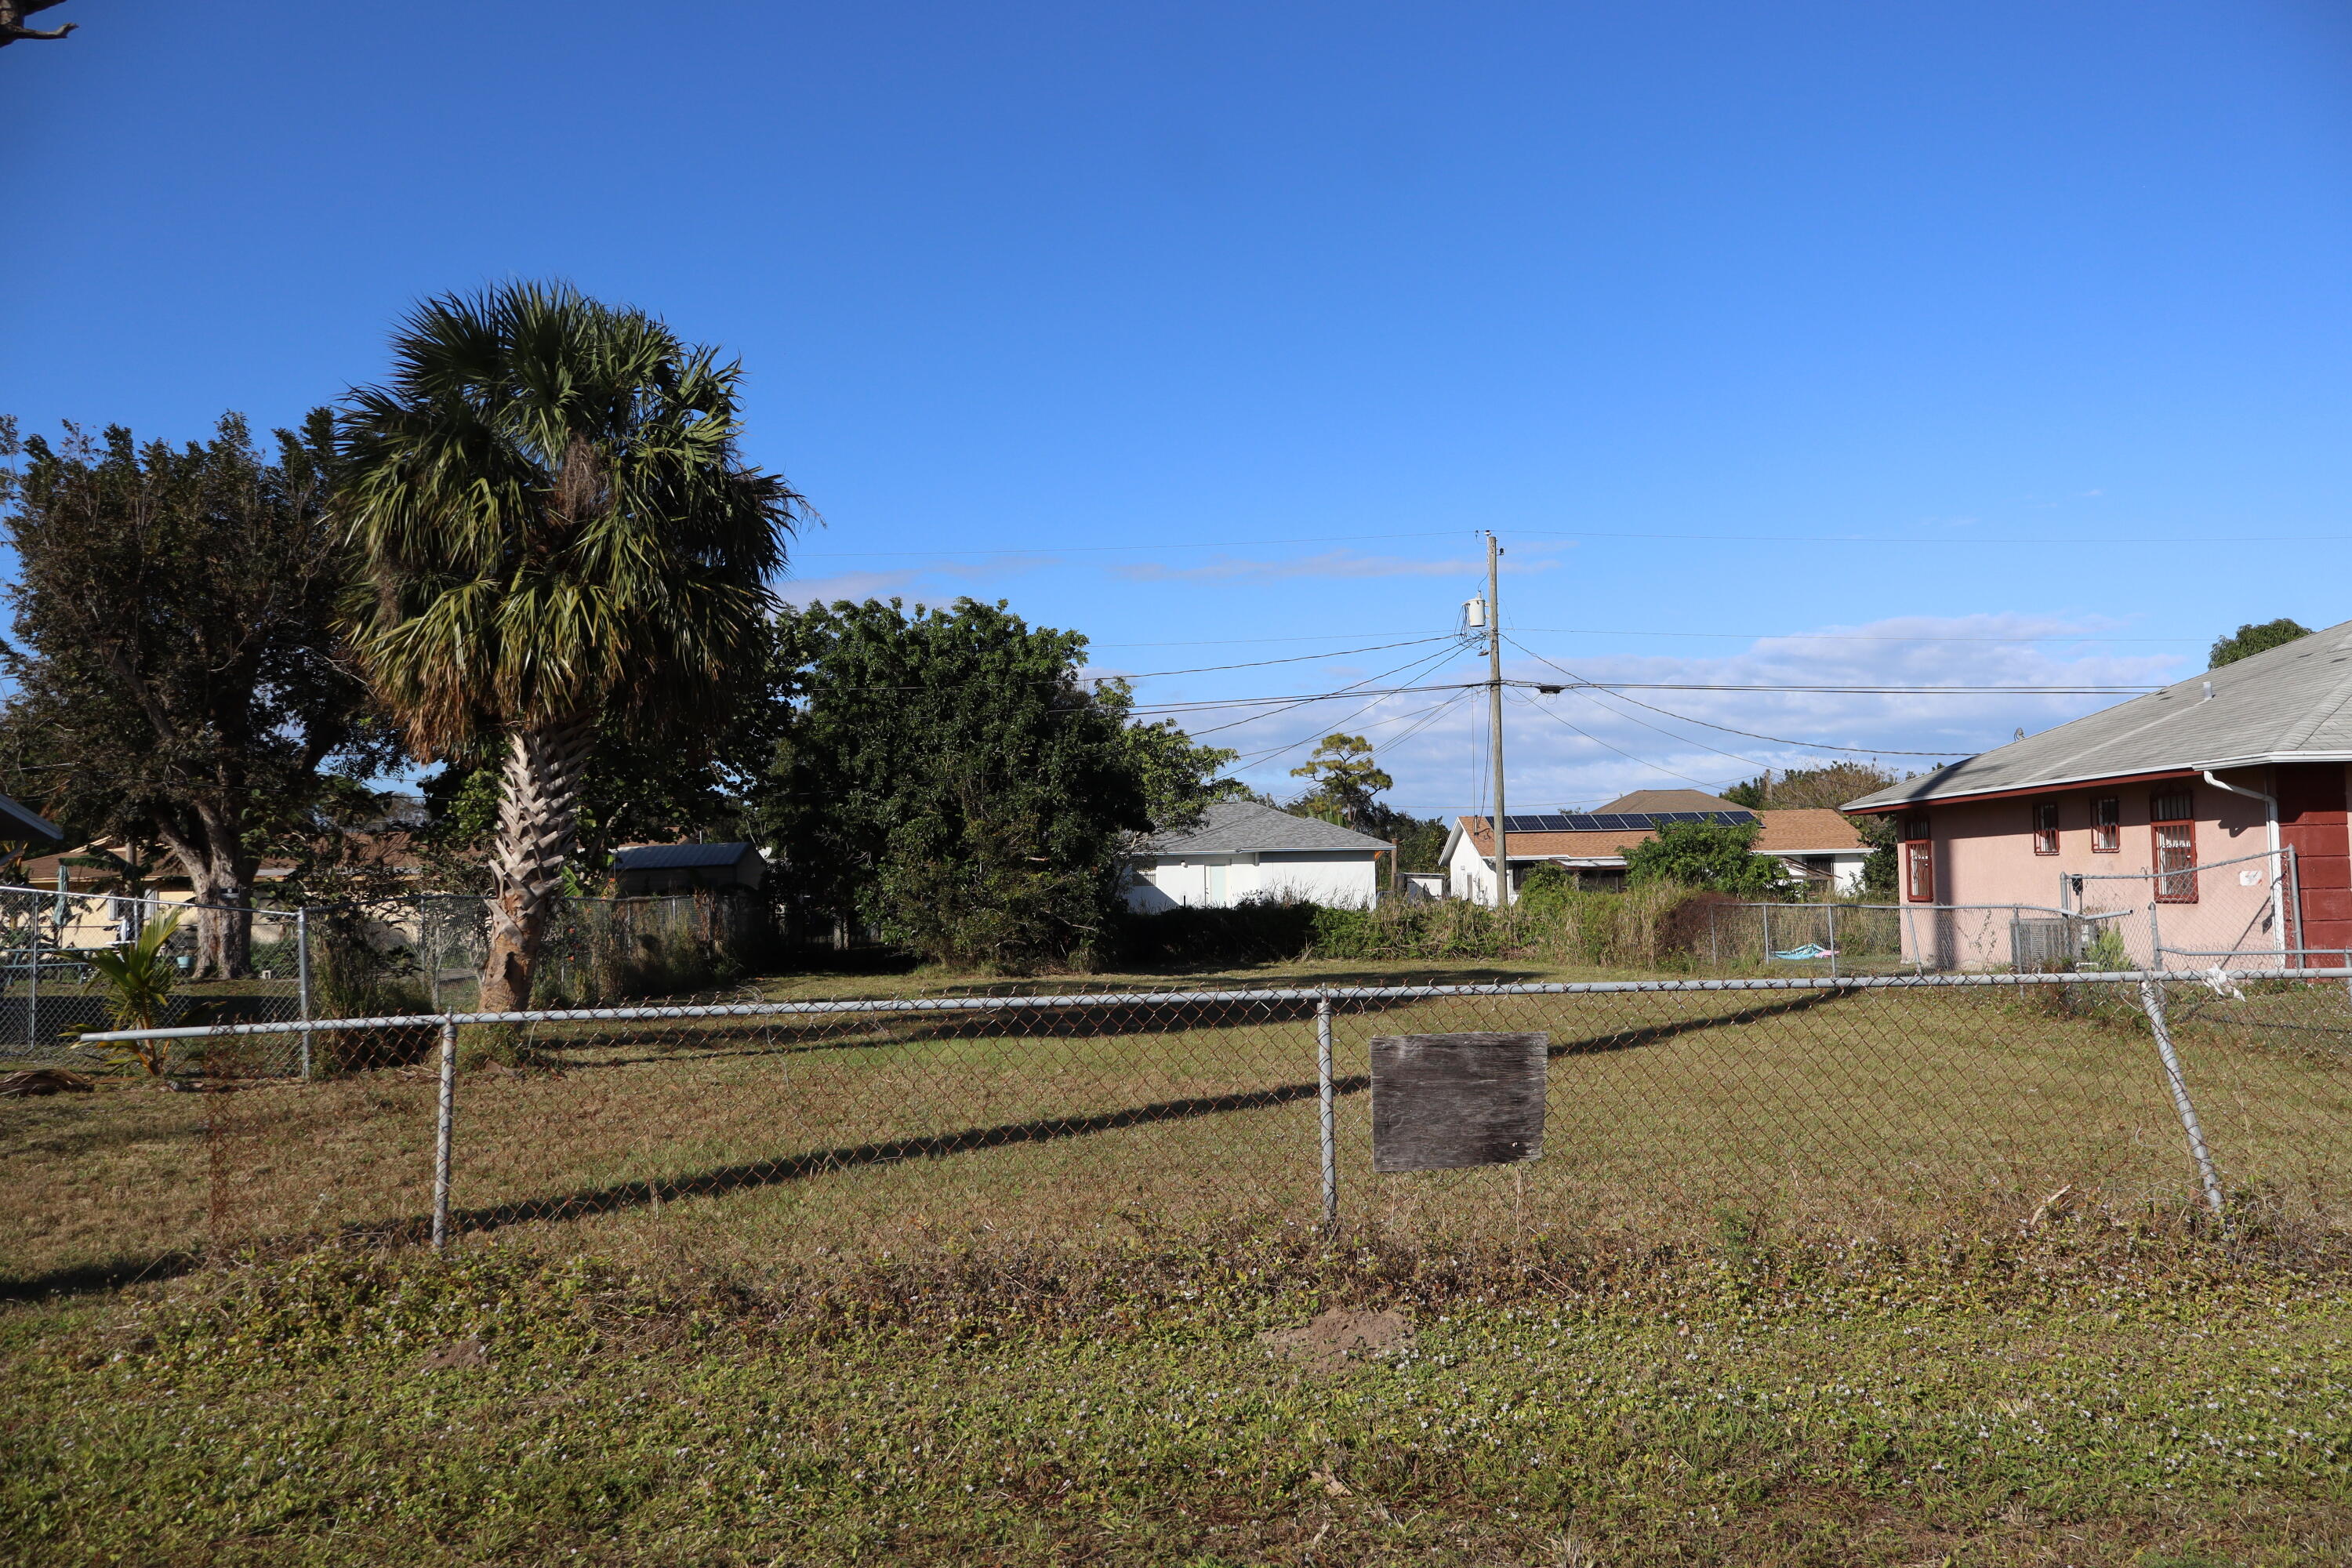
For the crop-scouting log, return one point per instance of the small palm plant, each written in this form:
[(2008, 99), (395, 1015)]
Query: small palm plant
[(140, 974)]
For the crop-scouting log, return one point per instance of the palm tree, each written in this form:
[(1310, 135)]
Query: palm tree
[(554, 529)]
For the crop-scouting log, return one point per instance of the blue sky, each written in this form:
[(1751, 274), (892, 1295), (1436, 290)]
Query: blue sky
[(1801, 343)]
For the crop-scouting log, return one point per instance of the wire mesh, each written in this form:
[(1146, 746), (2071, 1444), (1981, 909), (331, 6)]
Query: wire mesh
[(769, 1132), (407, 953)]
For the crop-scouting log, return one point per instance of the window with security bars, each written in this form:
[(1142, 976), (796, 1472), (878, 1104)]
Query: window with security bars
[(2045, 827), (2175, 837), (1918, 861), (2106, 825)]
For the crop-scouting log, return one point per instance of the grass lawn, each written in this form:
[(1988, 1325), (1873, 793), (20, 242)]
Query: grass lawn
[(2086, 1393), (1889, 1111)]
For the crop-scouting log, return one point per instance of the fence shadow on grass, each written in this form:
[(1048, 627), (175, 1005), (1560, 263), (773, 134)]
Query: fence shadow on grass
[(1046, 1022)]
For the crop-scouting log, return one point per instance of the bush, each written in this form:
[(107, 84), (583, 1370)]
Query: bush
[(1639, 929), (1259, 930)]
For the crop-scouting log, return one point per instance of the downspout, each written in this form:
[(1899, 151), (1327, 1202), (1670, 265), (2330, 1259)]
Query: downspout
[(2278, 876)]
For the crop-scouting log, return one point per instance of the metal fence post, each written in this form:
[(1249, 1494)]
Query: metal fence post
[(447, 1120), (2292, 918), (1329, 1129), (1767, 932), (2151, 997), (1833, 947), (302, 978)]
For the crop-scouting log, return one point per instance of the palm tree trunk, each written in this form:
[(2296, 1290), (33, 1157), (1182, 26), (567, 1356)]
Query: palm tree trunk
[(539, 807)]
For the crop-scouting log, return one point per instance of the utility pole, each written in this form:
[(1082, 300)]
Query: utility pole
[(1495, 715)]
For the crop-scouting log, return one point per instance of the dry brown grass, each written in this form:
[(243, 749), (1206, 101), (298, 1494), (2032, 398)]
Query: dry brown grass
[(767, 1141)]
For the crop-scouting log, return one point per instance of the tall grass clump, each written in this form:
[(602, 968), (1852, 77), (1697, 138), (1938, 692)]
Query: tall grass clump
[(1636, 928)]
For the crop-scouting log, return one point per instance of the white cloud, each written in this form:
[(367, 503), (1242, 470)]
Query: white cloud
[(1438, 759), (846, 586)]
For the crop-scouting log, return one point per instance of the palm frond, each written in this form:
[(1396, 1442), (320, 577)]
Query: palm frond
[(554, 517)]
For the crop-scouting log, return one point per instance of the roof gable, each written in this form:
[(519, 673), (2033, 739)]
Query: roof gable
[(1814, 830), (1244, 826), (1666, 800), (2290, 703)]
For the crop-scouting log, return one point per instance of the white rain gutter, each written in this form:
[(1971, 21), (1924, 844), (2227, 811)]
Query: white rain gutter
[(2278, 869)]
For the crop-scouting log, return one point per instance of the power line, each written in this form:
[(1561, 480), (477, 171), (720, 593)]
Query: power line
[(1684, 718), (1260, 663), (1614, 687), (1258, 758), (1832, 636), (1623, 632), (1425, 666), (1531, 703)]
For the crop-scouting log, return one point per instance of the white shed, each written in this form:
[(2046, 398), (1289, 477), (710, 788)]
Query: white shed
[(1241, 850)]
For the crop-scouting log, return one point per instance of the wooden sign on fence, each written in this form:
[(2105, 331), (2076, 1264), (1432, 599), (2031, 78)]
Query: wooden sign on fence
[(1441, 1102)]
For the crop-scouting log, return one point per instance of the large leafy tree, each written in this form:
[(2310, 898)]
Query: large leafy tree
[(174, 660), (557, 535), (947, 776), (1830, 786), (1707, 855)]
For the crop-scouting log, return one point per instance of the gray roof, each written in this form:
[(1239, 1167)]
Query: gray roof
[(22, 824), (1241, 827), (677, 857), (2290, 704)]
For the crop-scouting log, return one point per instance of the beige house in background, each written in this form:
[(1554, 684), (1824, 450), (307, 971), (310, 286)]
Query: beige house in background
[(1816, 847)]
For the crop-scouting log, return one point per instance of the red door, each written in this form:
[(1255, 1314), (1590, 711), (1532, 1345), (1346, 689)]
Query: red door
[(2311, 823)]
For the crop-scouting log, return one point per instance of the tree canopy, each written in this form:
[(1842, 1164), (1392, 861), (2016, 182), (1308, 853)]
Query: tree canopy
[(1707, 855), (175, 659), (2252, 638), (944, 776), (1827, 787), (1345, 782)]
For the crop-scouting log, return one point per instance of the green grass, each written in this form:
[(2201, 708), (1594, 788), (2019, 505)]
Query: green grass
[(2092, 1394), (1886, 1112)]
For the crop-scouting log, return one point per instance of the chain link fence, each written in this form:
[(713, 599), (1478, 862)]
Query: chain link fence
[(2236, 914), (412, 953), (768, 1132)]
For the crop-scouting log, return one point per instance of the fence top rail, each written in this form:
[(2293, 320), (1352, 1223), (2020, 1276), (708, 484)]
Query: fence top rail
[(1944, 909), (1080, 1001), (2149, 874)]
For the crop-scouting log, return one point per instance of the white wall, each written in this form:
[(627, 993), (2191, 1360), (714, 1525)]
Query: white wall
[(1470, 875), (1343, 877)]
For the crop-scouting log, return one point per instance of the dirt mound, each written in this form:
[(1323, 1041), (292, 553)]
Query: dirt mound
[(1340, 1336)]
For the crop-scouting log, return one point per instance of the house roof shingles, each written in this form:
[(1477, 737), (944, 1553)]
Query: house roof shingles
[(1244, 827), (2291, 703), (1812, 831), (1664, 800)]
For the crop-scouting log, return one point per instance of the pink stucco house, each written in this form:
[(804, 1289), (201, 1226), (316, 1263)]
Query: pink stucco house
[(2206, 819)]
